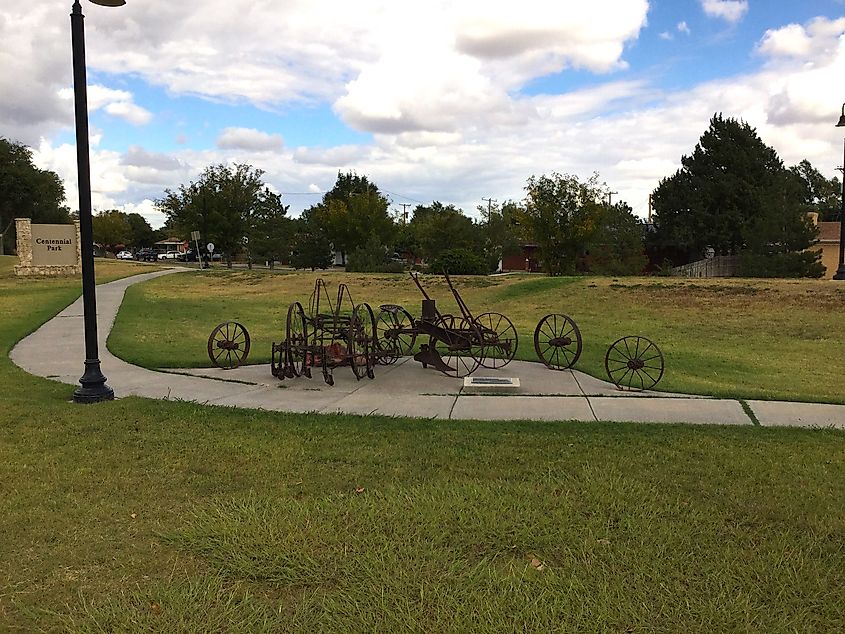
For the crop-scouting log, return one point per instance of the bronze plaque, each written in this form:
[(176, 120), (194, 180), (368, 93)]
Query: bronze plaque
[(54, 245)]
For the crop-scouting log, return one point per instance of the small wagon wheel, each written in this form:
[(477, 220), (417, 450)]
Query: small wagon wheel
[(634, 362), (461, 353), (228, 345), (395, 332), (361, 341), (296, 342), (500, 339), (557, 341)]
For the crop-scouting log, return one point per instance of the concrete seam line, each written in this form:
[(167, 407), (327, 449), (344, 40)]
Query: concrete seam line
[(592, 411), (749, 412)]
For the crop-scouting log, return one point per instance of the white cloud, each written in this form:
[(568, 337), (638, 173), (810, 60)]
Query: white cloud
[(130, 112), (249, 139), (118, 103), (729, 10), (683, 27), (442, 101), (665, 35)]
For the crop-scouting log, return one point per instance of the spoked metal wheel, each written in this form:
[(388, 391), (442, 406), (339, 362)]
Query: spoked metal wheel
[(461, 351), (228, 345), (396, 334), (362, 341), (296, 342), (500, 339), (634, 363), (557, 341)]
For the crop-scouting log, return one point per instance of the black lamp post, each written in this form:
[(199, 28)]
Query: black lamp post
[(93, 384), (840, 272)]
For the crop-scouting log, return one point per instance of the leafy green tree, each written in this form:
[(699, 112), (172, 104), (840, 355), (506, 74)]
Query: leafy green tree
[(272, 232), (220, 204), (500, 228), (27, 191), (561, 216), (111, 229), (732, 194), (819, 194), (350, 212), (617, 247), (438, 228), (310, 246), (141, 234)]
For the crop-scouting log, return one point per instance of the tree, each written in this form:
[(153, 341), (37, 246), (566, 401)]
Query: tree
[(311, 248), (111, 229), (818, 194), (500, 228), (141, 234), (220, 204), (438, 228), (26, 191), (616, 248), (732, 194), (271, 232), (351, 212), (562, 214)]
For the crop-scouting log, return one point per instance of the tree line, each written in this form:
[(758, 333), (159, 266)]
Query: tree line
[(732, 195)]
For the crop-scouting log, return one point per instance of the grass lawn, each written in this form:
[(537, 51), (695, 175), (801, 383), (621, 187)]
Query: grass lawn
[(733, 338), (142, 516)]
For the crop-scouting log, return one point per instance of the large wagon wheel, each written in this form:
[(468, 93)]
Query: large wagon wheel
[(557, 341), (634, 362), (500, 340), (362, 341), (395, 333), (461, 352), (296, 342), (228, 345)]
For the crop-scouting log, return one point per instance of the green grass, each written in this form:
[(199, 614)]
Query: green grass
[(139, 516), (744, 339)]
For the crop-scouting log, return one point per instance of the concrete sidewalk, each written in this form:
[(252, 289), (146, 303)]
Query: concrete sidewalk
[(56, 351)]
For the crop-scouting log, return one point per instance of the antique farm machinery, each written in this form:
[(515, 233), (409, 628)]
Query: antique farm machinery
[(327, 337), (456, 345)]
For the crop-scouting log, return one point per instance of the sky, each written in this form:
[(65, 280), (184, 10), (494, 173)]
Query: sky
[(456, 101)]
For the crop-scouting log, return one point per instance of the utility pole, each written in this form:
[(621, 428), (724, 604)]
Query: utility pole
[(404, 212), (609, 198), (490, 202)]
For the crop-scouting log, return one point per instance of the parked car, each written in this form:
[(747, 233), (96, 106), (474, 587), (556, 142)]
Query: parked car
[(170, 255), (188, 256), (146, 255), (125, 255)]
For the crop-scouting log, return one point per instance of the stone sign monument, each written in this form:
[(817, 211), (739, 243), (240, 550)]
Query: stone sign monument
[(47, 250)]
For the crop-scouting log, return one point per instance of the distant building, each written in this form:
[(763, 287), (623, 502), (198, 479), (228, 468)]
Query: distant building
[(829, 246), (525, 260), (170, 245)]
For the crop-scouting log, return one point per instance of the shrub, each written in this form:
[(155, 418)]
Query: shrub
[(371, 257), (795, 264), (459, 262)]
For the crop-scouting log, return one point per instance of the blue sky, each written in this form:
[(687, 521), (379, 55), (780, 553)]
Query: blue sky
[(432, 101)]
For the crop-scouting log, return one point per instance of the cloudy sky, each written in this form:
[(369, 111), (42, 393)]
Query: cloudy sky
[(453, 100)]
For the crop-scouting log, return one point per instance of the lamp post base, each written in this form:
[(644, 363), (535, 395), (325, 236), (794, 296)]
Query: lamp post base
[(94, 388), (840, 273)]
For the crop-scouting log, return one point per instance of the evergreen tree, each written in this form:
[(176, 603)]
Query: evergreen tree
[(732, 194)]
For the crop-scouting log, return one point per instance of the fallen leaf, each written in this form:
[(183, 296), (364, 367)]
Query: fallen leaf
[(359, 489), (133, 515), (605, 542), (155, 608), (537, 564)]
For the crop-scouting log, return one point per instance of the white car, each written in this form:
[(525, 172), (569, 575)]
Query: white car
[(125, 255), (170, 255)]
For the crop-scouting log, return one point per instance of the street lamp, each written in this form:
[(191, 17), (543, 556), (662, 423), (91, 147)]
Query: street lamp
[(840, 272), (93, 387)]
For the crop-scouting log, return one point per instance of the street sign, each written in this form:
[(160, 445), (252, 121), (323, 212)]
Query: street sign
[(195, 235), (210, 247)]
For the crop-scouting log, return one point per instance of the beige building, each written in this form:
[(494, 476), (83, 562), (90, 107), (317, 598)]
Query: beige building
[(829, 246)]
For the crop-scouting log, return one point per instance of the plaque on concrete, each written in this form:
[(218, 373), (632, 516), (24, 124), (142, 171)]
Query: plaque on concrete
[(46, 250)]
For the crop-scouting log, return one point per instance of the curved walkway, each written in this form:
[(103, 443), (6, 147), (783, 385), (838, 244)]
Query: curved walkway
[(56, 351)]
